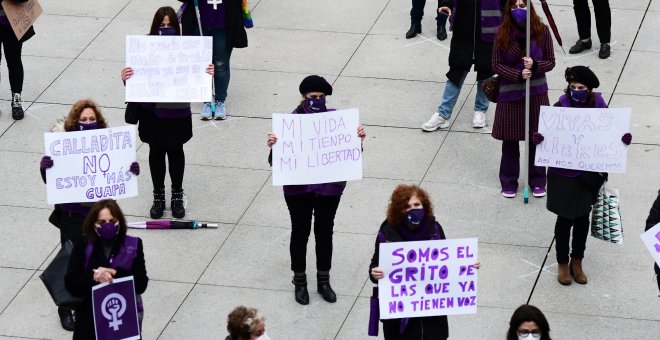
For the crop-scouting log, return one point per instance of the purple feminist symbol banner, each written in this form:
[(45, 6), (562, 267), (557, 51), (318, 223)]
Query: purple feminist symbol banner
[(651, 239), (91, 165), (583, 139), (428, 278), (317, 148), (115, 310)]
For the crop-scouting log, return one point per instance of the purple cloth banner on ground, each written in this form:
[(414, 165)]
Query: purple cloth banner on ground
[(115, 310)]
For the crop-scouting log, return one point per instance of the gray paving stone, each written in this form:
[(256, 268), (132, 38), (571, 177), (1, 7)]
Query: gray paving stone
[(19, 193), (636, 74), (40, 72), (11, 282), (644, 121), (203, 314), (5, 115), (395, 21), (26, 250), (104, 46), (622, 4), (646, 36), (80, 8), (161, 300), (144, 10), (52, 43)]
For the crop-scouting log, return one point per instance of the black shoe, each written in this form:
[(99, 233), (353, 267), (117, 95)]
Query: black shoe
[(178, 211), (66, 318), (16, 107), (580, 46), (300, 291), (323, 285), (604, 52), (414, 30), (158, 207), (442, 33)]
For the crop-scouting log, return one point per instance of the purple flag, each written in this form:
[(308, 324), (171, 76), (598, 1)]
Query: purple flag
[(115, 310)]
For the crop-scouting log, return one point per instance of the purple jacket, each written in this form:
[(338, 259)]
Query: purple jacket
[(565, 101), (323, 189), (168, 110), (213, 15), (490, 18)]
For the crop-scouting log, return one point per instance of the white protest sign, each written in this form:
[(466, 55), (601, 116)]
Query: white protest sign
[(427, 278), (169, 68), (91, 165), (583, 139), (317, 148), (651, 239)]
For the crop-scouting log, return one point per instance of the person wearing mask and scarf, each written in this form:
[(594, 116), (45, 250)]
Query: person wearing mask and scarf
[(69, 217), (104, 254), (318, 200), (514, 68), (528, 323), (409, 218), (165, 127), (571, 193)]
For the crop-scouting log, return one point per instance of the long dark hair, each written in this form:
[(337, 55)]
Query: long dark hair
[(526, 313), (505, 31), (89, 228), (161, 13)]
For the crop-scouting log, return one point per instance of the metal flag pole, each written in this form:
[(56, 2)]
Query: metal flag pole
[(199, 25), (527, 84)]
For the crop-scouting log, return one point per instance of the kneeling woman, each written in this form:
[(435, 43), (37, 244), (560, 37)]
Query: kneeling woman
[(104, 254)]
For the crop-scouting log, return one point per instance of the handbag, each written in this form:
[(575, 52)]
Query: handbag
[(491, 88), (132, 113), (54, 217), (606, 217), (53, 278)]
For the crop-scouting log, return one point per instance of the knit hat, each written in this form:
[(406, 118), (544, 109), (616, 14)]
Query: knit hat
[(583, 75), (315, 84)]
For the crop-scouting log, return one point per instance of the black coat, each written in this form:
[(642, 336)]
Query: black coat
[(163, 131), (236, 34), (79, 281), (423, 328), (651, 221)]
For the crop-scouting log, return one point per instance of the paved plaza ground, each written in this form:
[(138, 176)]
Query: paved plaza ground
[(197, 277)]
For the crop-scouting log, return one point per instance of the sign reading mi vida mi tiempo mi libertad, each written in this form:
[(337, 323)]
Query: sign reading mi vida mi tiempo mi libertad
[(91, 165), (169, 68), (584, 139), (115, 310), (428, 278), (317, 148)]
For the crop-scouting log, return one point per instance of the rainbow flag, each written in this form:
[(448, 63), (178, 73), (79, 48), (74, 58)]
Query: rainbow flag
[(247, 16)]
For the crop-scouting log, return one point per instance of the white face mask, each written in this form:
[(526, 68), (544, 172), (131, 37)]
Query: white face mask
[(264, 337), (529, 336)]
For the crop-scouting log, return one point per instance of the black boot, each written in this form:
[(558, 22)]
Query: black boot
[(604, 52), (580, 46), (323, 285), (442, 32), (301, 293), (178, 211), (66, 318), (17, 106), (159, 204), (414, 30)]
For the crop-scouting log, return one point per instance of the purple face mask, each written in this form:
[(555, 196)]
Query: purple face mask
[(519, 15), (413, 218), (90, 126), (579, 95), (316, 104), (166, 31), (108, 231)]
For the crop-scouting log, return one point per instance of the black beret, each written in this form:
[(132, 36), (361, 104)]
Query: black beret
[(583, 75), (315, 84)]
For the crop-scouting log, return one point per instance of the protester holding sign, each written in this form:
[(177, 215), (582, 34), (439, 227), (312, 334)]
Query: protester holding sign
[(104, 254), (223, 20), (514, 68), (69, 217), (571, 193), (409, 218), (244, 323), (528, 323), (165, 127), (651, 221), (321, 200), (12, 48)]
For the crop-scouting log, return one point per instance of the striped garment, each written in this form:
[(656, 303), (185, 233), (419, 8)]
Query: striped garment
[(509, 123)]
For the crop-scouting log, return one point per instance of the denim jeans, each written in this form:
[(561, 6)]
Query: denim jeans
[(451, 93), (221, 55)]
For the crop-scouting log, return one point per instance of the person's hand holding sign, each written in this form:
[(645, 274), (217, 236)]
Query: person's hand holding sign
[(361, 133), (272, 139), (377, 273)]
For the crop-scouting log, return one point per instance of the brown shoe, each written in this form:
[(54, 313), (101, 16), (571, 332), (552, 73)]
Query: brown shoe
[(563, 275), (576, 271)]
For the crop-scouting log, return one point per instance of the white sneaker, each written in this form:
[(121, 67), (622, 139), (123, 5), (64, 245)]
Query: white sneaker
[(436, 122), (479, 119)]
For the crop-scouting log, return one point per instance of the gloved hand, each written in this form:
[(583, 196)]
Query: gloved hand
[(46, 163), (626, 138), (135, 168), (537, 138)]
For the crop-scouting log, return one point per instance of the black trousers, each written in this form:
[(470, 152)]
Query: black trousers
[(603, 19), (424, 328), (580, 228), (301, 207), (12, 48), (176, 159), (417, 13)]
